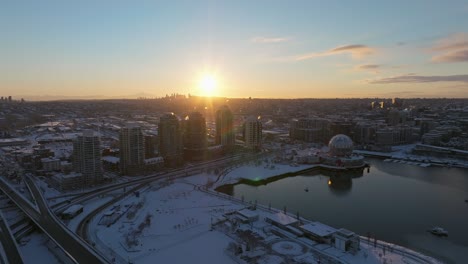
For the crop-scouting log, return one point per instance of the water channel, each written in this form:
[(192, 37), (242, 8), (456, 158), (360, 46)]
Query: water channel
[(394, 202)]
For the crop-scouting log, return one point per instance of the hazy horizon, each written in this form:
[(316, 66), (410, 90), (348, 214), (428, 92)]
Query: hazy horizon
[(366, 49), (150, 97)]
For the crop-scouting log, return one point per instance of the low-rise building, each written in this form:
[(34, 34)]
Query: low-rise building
[(318, 232), (281, 220), (110, 163), (8, 142), (154, 164), (69, 181), (51, 164), (247, 215), (346, 240)]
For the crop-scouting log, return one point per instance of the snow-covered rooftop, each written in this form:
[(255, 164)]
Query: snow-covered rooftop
[(318, 229), (282, 219), (248, 213), (111, 159)]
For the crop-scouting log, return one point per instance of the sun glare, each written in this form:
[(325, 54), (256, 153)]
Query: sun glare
[(208, 85)]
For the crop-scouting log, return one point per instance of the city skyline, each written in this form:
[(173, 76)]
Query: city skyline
[(85, 50)]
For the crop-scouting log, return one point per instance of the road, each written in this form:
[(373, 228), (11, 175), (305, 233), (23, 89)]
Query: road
[(179, 173), (8, 242), (226, 161), (80, 251), (75, 248)]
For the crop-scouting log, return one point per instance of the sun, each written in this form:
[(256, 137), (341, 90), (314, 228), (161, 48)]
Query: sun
[(208, 85)]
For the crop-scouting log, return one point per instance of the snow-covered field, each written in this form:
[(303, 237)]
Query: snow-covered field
[(258, 170), (173, 225), (180, 219), (183, 220), (36, 250)]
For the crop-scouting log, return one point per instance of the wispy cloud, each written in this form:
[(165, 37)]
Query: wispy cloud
[(368, 67), (356, 51), (451, 49), (456, 41), (454, 56), (269, 39), (421, 79), (374, 68)]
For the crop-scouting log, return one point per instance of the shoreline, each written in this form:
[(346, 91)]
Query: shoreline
[(413, 158), (316, 168), (416, 256)]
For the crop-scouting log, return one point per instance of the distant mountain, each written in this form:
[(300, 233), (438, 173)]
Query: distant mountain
[(84, 97)]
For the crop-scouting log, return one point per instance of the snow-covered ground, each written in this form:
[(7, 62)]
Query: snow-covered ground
[(37, 248), (87, 208), (180, 222), (403, 153), (173, 225), (257, 170), (174, 216)]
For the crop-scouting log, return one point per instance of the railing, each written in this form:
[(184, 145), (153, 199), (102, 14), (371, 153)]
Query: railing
[(405, 252), (9, 244), (11, 192)]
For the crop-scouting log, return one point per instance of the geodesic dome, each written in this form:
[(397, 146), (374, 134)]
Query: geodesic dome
[(340, 145)]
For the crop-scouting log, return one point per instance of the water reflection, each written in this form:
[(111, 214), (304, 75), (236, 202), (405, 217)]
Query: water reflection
[(341, 182), (396, 202)]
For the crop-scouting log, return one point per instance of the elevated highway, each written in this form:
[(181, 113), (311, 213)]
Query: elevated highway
[(72, 245), (10, 247)]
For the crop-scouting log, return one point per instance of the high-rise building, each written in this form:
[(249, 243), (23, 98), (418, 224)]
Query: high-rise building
[(253, 133), (312, 129), (87, 157), (224, 127), (132, 149), (195, 137), (170, 140), (151, 142), (397, 102)]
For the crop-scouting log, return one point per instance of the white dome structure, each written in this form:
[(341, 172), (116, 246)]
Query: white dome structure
[(340, 145)]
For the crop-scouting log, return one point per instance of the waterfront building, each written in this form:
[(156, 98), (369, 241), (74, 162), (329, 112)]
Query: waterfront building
[(425, 125), (340, 154), (132, 149), (313, 129), (439, 134), (341, 146), (224, 128), (364, 133), (195, 137), (170, 140), (87, 157), (395, 135), (253, 133), (339, 126)]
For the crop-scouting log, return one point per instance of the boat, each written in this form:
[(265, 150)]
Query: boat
[(306, 189), (438, 231)]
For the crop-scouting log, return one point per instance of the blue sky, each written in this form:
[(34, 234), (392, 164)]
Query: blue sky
[(274, 49)]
